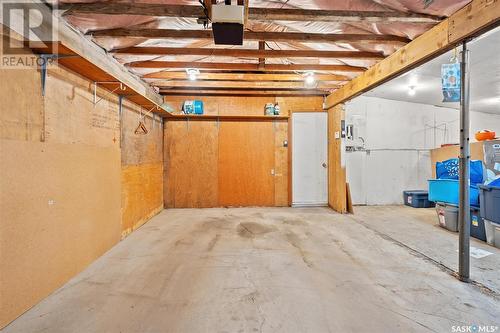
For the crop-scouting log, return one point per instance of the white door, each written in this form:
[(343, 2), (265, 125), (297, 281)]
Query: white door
[(309, 159)]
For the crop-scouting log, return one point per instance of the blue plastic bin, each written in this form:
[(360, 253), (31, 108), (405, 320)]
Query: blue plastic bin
[(193, 107), (446, 190), (477, 229), (417, 199), (490, 203)]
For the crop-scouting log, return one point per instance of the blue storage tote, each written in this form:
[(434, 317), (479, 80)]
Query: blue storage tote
[(490, 203), (446, 190), (417, 199), (477, 229)]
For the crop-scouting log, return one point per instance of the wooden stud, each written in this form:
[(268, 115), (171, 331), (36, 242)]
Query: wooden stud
[(243, 84), (244, 66), (246, 93), (245, 53), (244, 76), (282, 14), (250, 35)]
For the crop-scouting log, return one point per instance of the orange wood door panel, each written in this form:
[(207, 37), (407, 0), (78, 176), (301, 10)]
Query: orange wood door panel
[(246, 163), (190, 164)]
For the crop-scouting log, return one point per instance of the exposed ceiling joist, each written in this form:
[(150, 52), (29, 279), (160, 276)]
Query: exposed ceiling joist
[(85, 49), (246, 93), (244, 66), (245, 76), (251, 35), (244, 84), (262, 14), (468, 22), (245, 53)]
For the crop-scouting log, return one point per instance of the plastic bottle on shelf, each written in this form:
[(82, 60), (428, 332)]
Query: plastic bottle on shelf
[(276, 109)]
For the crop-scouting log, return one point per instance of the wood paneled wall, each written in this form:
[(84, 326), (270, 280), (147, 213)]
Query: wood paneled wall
[(142, 170), (228, 163), (69, 184), (246, 164)]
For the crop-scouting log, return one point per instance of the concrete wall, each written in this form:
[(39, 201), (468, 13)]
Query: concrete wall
[(398, 137), (70, 181)]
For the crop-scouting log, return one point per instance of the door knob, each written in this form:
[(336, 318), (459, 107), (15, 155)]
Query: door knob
[(324, 165)]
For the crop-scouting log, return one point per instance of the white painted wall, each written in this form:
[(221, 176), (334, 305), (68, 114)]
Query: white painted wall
[(398, 138)]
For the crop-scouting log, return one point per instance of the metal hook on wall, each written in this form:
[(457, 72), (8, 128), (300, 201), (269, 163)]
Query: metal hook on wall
[(121, 87)]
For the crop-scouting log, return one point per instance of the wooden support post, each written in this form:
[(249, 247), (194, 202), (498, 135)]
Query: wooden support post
[(337, 188)]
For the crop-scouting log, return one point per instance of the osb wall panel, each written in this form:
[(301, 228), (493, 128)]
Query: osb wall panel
[(210, 164), (21, 118), (142, 169), (190, 168), (183, 189), (141, 148), (72, 117), (246, 164), (59, 211), (142, 194), (70, 211)]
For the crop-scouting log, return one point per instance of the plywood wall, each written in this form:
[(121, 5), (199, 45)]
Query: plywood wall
[(226, 163), (65, 174), (246, 164), (142, 169), (191, 164)]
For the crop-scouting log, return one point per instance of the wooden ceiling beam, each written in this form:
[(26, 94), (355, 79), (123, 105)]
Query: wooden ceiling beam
[(244, 66), (251, 35), (246, 53), (95, 58), (243, 84), (245, 76), (467, 22), (248, 93), (261, 14)]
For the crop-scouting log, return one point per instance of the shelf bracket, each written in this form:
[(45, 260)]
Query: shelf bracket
[(46, 59), (120, 115)]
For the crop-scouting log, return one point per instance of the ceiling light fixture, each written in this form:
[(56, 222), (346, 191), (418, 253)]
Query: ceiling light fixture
[(192, 73), (309, 79)]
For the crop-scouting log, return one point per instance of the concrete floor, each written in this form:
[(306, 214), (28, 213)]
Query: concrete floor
[(263, 270)]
